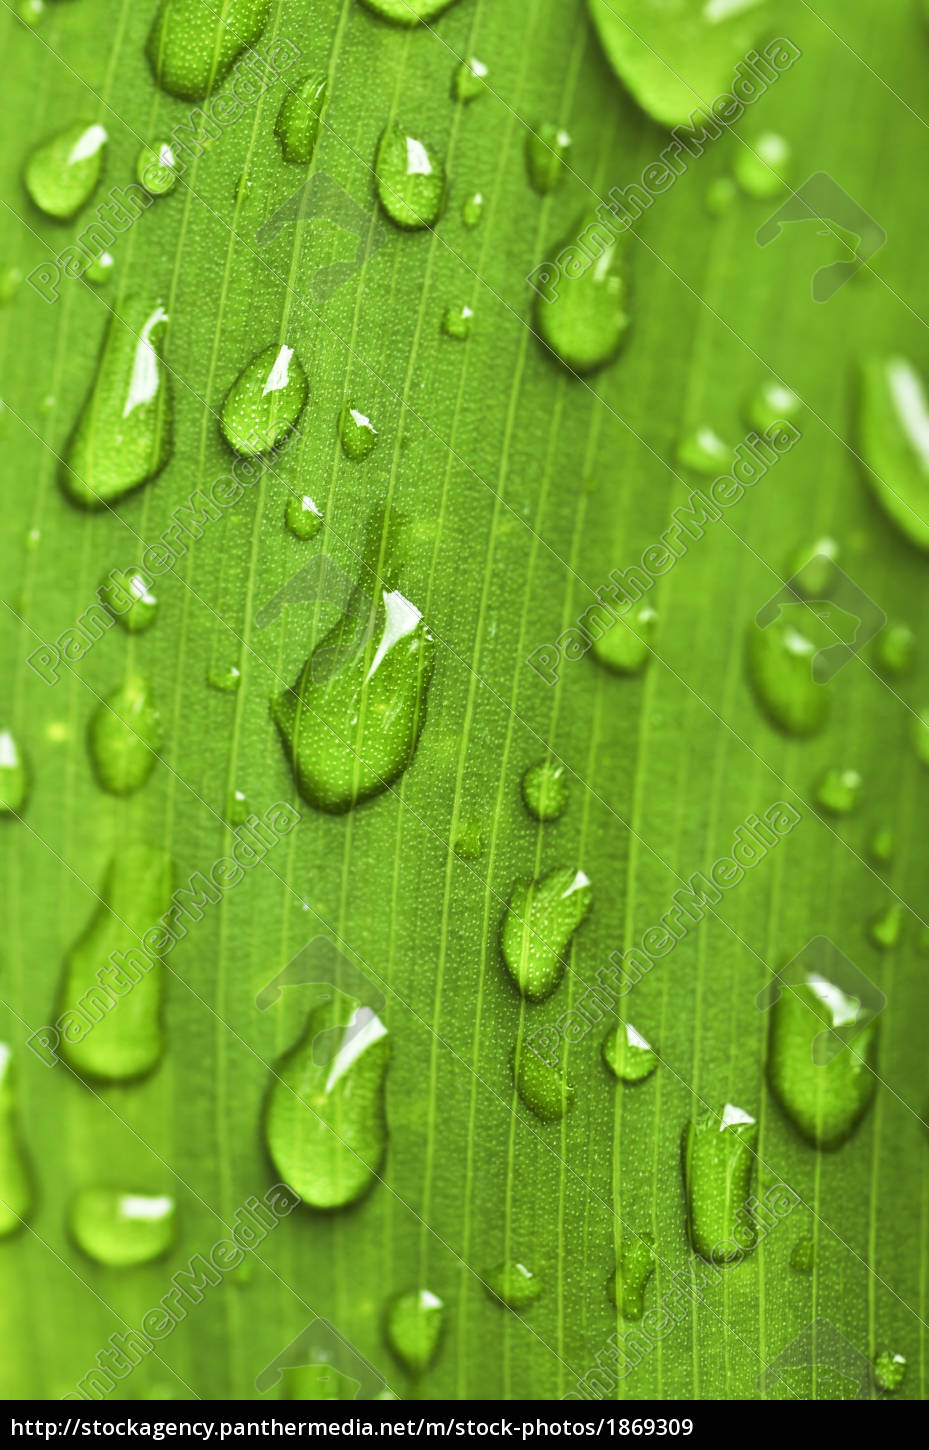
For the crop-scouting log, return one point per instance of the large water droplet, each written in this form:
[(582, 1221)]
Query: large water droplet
[(15, 1185), (324, 1125), (192, 47), (542, 1088), (780, 660), (581, 309), (123, 435), (121, 1229), (541, 918), (112, 988), (633, 1271), (407, 12), (125, 732), (414, 1328), (303, 517), (264, 402), (545, 790), (628, 1055), (352, 721), (62, 173), (627, 645), (129, 599), (516, 1285), (894, 443), (825, 1099), (14, 775), (548, 150), (410, 179), (298, 120), (718, 1163)]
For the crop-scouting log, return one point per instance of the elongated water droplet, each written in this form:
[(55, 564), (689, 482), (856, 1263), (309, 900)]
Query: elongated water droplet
[(303, 517), (299, 118), (122, 1229), (885, 928), (889, 1371), (677, 58), (472, 209), (896, 645), (264, 402), (469, 839), (772, 402), (112, 987), (237, 807), (548, 150), (14, 775), (545, 790), (718, 1165), (226, 678), (703, 451), (894, 443), (352, 721), (192, 47), (414, 1328), (468, 79), (11, 279), (581, 311), (542, 1088), (541, 918), (780, 660), (825, 1099), (838, 791), (627, 645), (803, 1255), (129, 599), (357, 433), (123, 435), (156, 168), (15, 1183), (62, 173), (325, 1126), (516, 1285), (633, 1271), (410, 179), (125, 732), (458, 321), (407, 12), (882, 845), (762, 164), (628, 1055)]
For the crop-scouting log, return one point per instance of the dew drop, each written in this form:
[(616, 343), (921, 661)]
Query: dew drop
[(780, 660), (896, 645), (122, 1229), (100, 269), (544, 1089), (584, 318), (514, 1284), (885, 928), (803, 1255), (357, 433), (10, 282), (628, 1055), (15, 1179), (635, 1267), (627, 645), (762, 165), (824, 1096), (123, 435), (541, 917), (882, 846), (264, 402), (703, 451), (410, 179), (407, 12), (124, 736), (30, 12), (772, 403), (14, 775), (156, 168), (298, 120), (468, 79), (811, 570), (472, 209), (458, 321), (122, 979), (414, 1328), (324, 1125), (547, 153), (192, 47), (469, 839), (129, 599), (718, 1165), (838, 791), (237, 807), (62, 173), (545, 790), (894, 443), (226, 678), (303, 518), (889, 1371)]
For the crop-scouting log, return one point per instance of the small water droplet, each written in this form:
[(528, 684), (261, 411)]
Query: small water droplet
[(628, 1055), (156, 168), (62, 173), (547, 153), (703, 451), (582, 314), (885, 928), (719, 1159), (10, 283), (636, 1265), (191, 48), (458, 321), (237, 807), (627, 645), (896, 646), (544, 1089), (357, 433), (824, 1099), (762, 164), (324, 1125), (100, 269), (770, 404), (803, 1255), (545, 790), (14, 775), (720, 196), (780, 670), (15, 1181), (226, 678), (129, 599), (882, 845), (838, 791), (468, 79), (123, 435), (122, 1229), (516, 1285), (298, 120), (124, 736), (889, 1371), (894, 443), (469, 839), (414, 1328), (811, 569), (264, 402), (472, 209), (410, 179), (303, 517), (541, 918)]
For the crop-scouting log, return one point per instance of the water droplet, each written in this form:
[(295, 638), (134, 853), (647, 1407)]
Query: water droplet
[(583, 316), (352, 721), (468, 79), (407, 12), (719, 1158), (720, 195), (889, 1371), (357, 433), (516, 1285), (125, 734), (885, 928), (545, 790), (636, 1266), (628, 1055), (121, 1229), (779, 665), (156, 168), (803, 1255), (100, 270), (414, 1328), (14, 775), (824, 1099), (191, 47), (469, 839), (894, 443), (264, 402), (62, 173), (112, 988), (771, 403), (226, 678), (458, 321), (672, 57), (896, 645), (762, 164), (10, 283), (410, 179), (298, 120), (838, 791), (30, 12), (472, 209), (237, 807), (542, 1088), (303, 517), (324, 1125), (703, 451), (129, 599), (15, 1185), (626, 646), (811, 570), (123, 435), (882, 845), (541, 918), (547, 153)]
